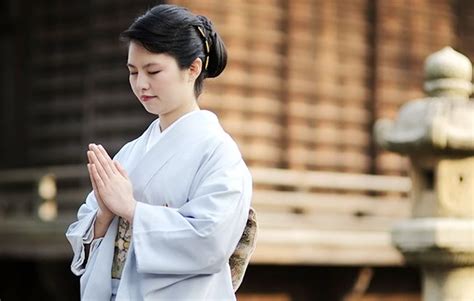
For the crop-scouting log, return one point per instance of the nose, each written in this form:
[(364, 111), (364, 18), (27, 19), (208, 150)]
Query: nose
[(142, 82)]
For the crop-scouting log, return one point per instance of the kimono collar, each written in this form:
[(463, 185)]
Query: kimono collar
[(187, 131)]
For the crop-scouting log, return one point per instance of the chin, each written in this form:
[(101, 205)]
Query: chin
[(154, 112), (151, 110)]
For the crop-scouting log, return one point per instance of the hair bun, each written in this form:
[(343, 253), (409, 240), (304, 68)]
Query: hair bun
[(207, 24), (217, 53)]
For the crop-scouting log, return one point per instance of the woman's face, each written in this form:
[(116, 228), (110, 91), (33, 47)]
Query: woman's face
[(158, 82)]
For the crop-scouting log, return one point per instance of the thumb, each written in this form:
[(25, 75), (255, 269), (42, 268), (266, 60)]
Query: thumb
[(122, 171)]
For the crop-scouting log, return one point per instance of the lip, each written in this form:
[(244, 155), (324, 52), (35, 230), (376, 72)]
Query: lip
[(146, 97)]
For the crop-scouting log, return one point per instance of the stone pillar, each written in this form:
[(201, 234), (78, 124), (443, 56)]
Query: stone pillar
[(437, 134)]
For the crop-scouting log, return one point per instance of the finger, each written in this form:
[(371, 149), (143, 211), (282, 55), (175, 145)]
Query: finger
[(98, 167), (107, 158), (89, 157), (95, 174), (105, 165), (104, 152), (122, 171), (94, 186)]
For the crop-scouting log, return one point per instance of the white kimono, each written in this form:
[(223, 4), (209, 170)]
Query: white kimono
[(193, 191)]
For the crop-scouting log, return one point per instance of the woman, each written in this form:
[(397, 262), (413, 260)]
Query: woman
[(166, 214)]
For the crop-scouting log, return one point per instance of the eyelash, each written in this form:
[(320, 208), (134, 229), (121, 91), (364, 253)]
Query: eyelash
[(152, 73)]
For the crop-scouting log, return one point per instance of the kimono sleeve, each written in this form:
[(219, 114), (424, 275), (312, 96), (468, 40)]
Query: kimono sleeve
[(199, 237), (82, 232)]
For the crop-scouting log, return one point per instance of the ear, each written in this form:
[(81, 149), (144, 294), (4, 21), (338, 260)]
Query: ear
[(195, 69)]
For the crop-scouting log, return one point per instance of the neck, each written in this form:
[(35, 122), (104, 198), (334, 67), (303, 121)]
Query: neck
[(169, 118)]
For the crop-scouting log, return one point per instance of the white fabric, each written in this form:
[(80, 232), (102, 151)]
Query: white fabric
[(156, 134), (115, 286), (179, 251)]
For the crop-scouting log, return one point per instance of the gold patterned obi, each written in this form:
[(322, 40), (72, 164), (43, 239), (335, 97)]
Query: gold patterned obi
[(122, 243)]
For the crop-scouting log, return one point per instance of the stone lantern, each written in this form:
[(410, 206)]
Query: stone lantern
[(437, 134)]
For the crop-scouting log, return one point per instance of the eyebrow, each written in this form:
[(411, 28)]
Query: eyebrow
[(147, 65)]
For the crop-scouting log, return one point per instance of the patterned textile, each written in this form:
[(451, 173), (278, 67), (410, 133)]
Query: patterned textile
[(122, 242), (238, 261), (240, 258)]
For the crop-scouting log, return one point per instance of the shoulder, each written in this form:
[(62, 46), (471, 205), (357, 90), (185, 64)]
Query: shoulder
[(219, 145), (222, 160), (226, 145)]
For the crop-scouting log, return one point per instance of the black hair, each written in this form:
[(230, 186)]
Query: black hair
[(175, 30)]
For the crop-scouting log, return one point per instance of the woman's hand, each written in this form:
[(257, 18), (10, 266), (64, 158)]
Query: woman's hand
[(112, 182), (104, 212)]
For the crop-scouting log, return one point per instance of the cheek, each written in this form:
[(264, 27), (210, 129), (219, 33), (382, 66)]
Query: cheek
[(161, 84), (132, 83)]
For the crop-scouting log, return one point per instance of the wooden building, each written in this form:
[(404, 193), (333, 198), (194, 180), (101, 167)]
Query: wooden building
[(306, 80)]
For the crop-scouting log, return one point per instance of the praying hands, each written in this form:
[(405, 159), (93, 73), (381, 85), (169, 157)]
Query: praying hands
[(112, 186)]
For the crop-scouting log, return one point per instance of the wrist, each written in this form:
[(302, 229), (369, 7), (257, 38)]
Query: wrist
[(131, 211), (104, 216), (102, 222)]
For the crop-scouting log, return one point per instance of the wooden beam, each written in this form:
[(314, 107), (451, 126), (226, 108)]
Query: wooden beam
[(325, 247), (331, 180)]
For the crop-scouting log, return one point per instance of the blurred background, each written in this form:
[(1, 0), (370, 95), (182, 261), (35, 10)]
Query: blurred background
[(306, 80)]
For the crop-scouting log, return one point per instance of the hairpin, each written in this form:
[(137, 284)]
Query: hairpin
[(207, 46)]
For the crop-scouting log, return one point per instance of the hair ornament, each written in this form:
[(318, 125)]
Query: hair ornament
[(206, 43)]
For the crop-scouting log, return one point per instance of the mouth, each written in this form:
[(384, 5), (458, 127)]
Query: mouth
[(146, 97)]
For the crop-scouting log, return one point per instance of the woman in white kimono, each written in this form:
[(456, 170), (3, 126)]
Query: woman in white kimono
[(168, 211)]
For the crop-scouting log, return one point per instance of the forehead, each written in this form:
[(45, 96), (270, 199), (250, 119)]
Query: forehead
[(139, 56)]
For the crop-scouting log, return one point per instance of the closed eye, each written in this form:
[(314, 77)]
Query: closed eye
[(155, 72)]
